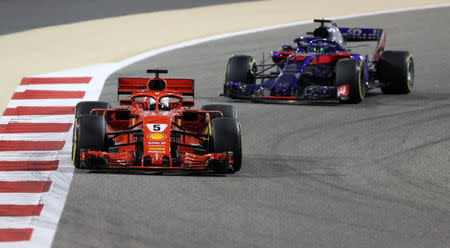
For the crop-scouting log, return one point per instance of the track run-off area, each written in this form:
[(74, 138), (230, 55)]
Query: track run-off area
[(314, 174)]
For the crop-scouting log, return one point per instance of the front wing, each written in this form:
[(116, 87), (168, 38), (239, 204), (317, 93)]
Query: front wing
[(125, 160), (258, 94)]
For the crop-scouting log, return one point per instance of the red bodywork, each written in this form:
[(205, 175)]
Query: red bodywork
[(284, 54), (150, 135)]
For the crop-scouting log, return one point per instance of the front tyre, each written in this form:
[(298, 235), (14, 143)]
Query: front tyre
[(89, 134), (83, 108), (226, 137), (350, 75), (395, 71)]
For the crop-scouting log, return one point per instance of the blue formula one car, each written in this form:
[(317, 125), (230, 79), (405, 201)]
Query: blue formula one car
[(321, 67)]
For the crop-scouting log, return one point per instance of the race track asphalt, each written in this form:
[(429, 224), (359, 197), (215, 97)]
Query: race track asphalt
[(376, 174)]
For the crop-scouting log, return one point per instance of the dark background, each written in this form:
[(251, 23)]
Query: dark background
[(20, 15)]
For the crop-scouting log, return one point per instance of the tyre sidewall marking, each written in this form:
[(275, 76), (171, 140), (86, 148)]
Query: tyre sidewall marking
[(359, 82), (75, 132), (408, 79), (252, 64)]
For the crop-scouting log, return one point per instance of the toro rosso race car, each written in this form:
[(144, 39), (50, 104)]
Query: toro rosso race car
[(157, 130), (321, 67)]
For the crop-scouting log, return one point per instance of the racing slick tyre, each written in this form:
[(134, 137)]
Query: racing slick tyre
[(227, 110), (89, 134), (350, 72), (240, 68), (84, 108), (395, 71), (226, 137)]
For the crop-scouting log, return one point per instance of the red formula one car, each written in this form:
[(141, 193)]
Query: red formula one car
[(157, 130)]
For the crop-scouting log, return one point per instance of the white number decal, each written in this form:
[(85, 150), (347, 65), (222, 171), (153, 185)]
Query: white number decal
[(156, 127)]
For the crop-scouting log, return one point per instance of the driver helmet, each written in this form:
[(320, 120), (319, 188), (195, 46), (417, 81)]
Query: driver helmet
[(164, 102), (151, 104), (318, 48)]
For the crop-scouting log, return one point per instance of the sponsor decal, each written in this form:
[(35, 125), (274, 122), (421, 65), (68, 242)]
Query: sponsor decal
[(157, 152), (156, 148), (356, 32), (342, 91), (156, 127), (156, 143), (156, 136)]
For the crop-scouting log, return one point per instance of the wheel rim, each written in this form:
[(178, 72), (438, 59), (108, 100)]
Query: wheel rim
[(361, 86), (74, 141), (410, 76)]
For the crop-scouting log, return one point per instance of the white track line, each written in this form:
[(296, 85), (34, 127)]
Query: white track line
[(37, 119), (25, 175), (20, 244), (27, 155), (43, 102), (17, 222), (21, 198), (58, 87), (62, 136)]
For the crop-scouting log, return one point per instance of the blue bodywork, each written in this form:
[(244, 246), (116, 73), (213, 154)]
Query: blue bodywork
[(307, 72)]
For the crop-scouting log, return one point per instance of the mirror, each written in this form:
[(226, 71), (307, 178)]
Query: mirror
[(287, 48), (127, 102), (188, 103)]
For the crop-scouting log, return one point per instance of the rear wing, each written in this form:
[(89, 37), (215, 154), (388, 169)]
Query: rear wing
[(128, 86), (361, 34), (366, 34)]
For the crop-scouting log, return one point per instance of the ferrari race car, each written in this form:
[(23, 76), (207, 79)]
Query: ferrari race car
[(321, 67), (157, 130)]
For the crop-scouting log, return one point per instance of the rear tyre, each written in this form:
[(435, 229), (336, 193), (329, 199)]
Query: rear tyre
[(395, 71), (350, 72), (89, 134), (240, 68), (227, 110), (226, 137)]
